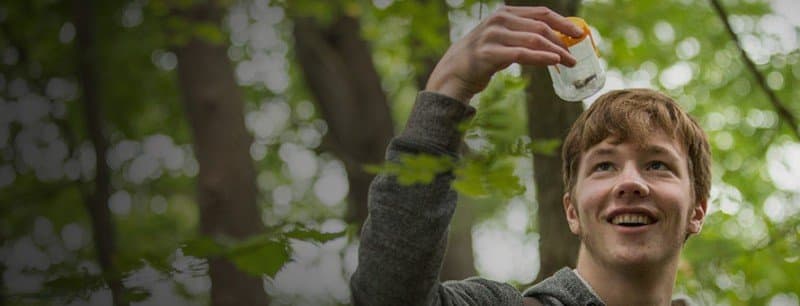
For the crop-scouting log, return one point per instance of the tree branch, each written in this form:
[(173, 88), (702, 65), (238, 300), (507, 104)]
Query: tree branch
[(773, 98)]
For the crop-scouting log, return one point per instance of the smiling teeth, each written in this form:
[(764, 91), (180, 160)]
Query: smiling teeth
[(631, 219)]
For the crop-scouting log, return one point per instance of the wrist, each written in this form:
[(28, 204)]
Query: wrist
[(449, 87)]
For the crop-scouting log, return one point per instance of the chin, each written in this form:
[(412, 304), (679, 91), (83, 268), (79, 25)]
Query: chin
[(634, 259)]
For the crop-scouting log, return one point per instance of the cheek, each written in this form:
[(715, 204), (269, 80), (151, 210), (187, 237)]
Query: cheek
[(680, 207), (686, 196), (592, 195), (589, 201)]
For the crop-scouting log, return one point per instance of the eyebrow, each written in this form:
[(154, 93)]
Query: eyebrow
[(660, 150), (648, 149), (601, 152)]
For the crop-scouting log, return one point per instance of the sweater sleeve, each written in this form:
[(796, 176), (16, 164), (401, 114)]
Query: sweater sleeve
[(405, 235)]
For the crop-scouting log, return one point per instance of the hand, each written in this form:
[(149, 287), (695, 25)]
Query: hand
[(513, 34)]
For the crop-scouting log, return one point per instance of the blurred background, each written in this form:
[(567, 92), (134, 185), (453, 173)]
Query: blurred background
[(187, 152)]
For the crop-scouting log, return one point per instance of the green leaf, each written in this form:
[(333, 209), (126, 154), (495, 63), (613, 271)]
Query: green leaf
[(179, 29), (547, 147), (502, 180), (209, 32), (136, 294), (414, 168), (312, 235), (72, 286), (470, 180), (261, 256), (377, 169), (158, 262), (422, 168), (323, 12), (202, 247), (481, 177)]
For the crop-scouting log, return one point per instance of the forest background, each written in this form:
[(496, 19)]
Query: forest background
[(187, 152)]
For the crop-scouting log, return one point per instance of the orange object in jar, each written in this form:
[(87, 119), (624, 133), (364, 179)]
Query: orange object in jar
[(587, 76)]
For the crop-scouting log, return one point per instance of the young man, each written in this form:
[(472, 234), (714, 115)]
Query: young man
[(636, 170)]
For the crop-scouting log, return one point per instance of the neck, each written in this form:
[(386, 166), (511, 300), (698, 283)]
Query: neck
[(616, 286)]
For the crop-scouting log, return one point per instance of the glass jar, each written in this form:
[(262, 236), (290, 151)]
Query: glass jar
[(587, 76)]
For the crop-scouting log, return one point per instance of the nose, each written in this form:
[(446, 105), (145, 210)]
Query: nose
[(631, 184)]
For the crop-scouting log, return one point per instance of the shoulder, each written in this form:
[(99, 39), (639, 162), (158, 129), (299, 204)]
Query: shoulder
[(529, 301), (480, 291)]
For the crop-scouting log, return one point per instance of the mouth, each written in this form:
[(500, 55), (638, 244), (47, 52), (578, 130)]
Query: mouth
[(632, 220)]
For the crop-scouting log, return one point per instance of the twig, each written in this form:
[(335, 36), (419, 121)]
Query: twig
[(773, 98)]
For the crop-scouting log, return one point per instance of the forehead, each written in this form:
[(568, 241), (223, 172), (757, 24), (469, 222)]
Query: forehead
[(655, 144)]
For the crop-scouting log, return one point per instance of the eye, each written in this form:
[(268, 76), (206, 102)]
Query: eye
[(603, 166), (657, 165)]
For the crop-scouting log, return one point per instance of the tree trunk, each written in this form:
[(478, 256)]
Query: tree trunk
[(459, 260), (103, 230), (425, 54), (338, 69), (549, 117), (226, 180)]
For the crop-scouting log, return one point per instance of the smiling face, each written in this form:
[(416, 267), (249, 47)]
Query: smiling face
[(633, 203)]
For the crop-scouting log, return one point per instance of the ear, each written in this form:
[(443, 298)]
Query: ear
[(697, 217), (572, 214)]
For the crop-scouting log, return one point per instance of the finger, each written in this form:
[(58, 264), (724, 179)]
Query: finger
[(533, 41), (553, 19), (516, 23), (524, 56)]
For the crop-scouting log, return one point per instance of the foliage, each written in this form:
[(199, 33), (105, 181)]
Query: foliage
[(746, 254), (415, 169), (262, 254)]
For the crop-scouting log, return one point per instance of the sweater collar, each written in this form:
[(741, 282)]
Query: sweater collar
[(566, 287)]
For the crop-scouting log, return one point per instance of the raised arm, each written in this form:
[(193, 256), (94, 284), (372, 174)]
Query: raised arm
[(513, 34), (404, 238)]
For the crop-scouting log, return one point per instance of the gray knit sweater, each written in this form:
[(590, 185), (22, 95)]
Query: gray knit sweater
[(404, 238)]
